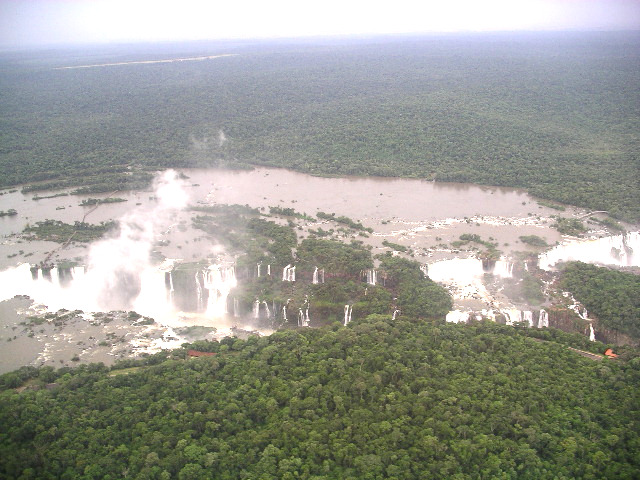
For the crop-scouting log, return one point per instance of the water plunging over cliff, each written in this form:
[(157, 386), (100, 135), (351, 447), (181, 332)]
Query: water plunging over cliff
[(348, 309), (619, 250), (289, 274)]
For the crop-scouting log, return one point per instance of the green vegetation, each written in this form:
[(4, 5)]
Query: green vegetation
[(344, 221), (534, 241), (98, 201), (609, 223), (337, 258), (417, 295), (528, 289), (612, 296), (552, 205), (394, 246), (569, 226), (377, 399), (289, 212), (491, 252), (57, 231), (9, 213), (550, 112)]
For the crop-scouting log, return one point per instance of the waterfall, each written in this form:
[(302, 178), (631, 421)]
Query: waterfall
[(266, 306), (219, 281), (592, 334), (503, 268), (513, 315), (198, 291), (236, 307), (171, 289), (289, 274), (259, 265), (425, 270), (395, 314), (617, 250), (315, 276), (456, 316), (528, 317), (543, 319), (348, 309), (269, 270), (372, 276), (526, 266), (284, 313), (256, 309), (303, 318)]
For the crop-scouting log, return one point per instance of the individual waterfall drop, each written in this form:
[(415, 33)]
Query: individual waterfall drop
[(303, 318), (219, 281), (456, 316), (503, 269), (172, 291), (395, 314), (512, 315), (424, 268), (266, 306), (236, 307), (314, 280), (528, 317), (371, 276), (269, 270), (543, 319), (200, 303), (348, 309), (592, 333), (256, 309), (289, 274), (259, 265)]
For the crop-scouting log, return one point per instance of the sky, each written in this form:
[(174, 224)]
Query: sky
[(26, 23)]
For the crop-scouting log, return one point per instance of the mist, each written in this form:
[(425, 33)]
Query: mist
[(42, 22)]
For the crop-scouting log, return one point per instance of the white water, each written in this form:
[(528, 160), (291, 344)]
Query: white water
[(315, 276), (372, 276), (617, 250), (289, 274), (543, 319), (592, 333), (219, 281), (348, 309)]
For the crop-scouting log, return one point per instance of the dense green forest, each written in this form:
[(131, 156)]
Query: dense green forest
[(377, 399), (612, 296), (556, 113)]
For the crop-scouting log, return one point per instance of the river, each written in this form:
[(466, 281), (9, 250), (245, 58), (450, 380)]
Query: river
[(423, 216)]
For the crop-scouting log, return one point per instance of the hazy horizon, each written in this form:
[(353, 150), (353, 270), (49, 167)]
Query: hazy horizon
[(29, 24)]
